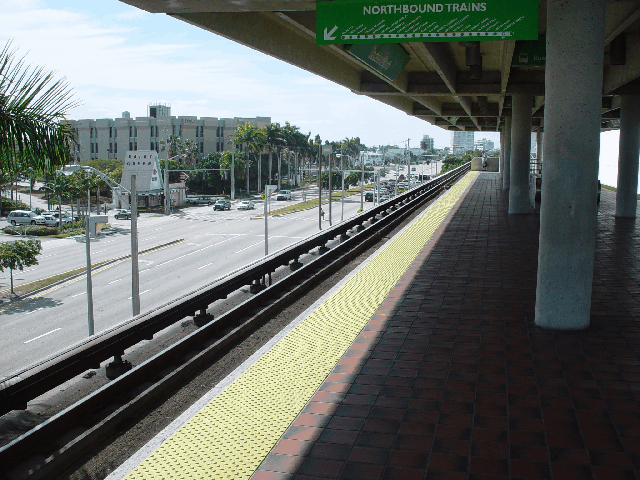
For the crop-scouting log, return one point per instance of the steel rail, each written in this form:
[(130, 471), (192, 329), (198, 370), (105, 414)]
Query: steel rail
[(186, 357), (17, 389)]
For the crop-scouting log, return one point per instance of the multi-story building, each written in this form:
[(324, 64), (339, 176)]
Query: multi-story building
[(484, 145), (428, 143), (461, 142), (113, 138)]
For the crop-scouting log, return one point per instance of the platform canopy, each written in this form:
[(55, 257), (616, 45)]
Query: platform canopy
[(463, 81)]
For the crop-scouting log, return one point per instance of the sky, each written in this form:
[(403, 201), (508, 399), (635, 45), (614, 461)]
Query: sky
[(117, 57)]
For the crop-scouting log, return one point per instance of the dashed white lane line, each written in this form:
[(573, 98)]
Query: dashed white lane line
[(142, 293), (78, 294), (43, 335), (115, 281), (195, 251), (238, 251)]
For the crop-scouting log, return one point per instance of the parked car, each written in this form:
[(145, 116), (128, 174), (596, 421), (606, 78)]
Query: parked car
[(384, 198), (246, 205), (222, 204), (284, 195), (66, 217), (124, 215), (25, 217)]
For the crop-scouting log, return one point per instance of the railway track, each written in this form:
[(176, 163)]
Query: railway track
[(57, 444)]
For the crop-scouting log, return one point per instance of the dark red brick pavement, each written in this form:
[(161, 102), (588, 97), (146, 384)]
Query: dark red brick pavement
[(457, 382)]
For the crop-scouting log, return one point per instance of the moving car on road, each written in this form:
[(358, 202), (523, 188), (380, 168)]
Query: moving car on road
[(222, 204), (123, 215), (368, 197), (284, 195), (246, 205)]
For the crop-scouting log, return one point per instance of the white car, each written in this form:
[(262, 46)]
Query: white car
[(25, 217), (284, 195), (50, 220), (245, 205)]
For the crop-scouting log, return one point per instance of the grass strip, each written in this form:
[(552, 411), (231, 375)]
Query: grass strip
[(310, 204), (614, 189), (29, 287)]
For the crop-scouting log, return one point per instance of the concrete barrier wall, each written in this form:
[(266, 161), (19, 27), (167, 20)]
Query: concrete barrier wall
[(493, 164)]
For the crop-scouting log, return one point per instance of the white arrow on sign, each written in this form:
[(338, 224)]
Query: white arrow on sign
[(327, 35)]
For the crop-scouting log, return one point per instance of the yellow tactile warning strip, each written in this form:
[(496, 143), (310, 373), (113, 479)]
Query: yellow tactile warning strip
[(232, 434)]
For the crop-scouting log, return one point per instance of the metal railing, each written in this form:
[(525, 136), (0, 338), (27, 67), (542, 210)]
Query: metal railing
[(22, 386)]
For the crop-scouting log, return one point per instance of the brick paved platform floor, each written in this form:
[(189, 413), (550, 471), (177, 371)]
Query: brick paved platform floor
[(451, 379)]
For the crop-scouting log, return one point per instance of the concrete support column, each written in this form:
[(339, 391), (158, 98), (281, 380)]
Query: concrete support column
[(539, 149), (520, 154), (626, 197), (507, 154), (573, 99)]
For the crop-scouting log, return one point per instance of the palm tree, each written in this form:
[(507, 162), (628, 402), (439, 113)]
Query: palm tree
[(275, 139), (33, 107), (253, 138)]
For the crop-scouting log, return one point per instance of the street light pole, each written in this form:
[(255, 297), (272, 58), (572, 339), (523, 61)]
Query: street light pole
[(362, 186), (342, 199), (135, 273), (233, 177), (330, 189), (88, 251), (320, 187)]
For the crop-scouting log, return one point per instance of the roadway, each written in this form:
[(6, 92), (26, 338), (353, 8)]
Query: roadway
[(213, 244)]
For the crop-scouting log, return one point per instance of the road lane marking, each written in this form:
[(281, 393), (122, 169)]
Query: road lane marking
[(195, 251), (43, 335), (118, 280), (227, 256), (142, 293), (33, 311), (78, 294), (150, 238)]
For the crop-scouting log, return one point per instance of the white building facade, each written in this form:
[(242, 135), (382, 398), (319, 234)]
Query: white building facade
[(113, 138), (462, 142)]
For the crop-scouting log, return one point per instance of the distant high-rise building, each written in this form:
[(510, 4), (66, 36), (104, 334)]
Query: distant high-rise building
[(112, 138), (484, 145), (427, 142), (461, 142)]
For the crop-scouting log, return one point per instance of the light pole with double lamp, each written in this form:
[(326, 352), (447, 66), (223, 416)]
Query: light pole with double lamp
[(135, 274)]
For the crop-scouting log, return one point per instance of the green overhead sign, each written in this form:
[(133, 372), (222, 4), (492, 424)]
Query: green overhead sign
[(374, 21), (388, 59), (530, 53)]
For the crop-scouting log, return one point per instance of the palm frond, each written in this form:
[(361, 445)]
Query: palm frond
[(33, 108)]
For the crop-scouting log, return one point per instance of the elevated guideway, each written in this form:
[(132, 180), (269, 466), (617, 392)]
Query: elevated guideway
[(426, 363)]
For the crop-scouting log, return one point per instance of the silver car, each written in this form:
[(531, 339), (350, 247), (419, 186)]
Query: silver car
[(25, 217)]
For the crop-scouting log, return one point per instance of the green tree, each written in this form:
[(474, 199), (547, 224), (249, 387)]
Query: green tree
[(253, 140), (19, 254), (58, 188), (33, 106), (189, 151), (170, 145)]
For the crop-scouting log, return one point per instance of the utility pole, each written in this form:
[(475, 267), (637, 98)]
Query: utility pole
[(135, 273), (330, 192), (319, 186)]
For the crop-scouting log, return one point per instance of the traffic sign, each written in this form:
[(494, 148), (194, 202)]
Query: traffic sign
[(372, 21)]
